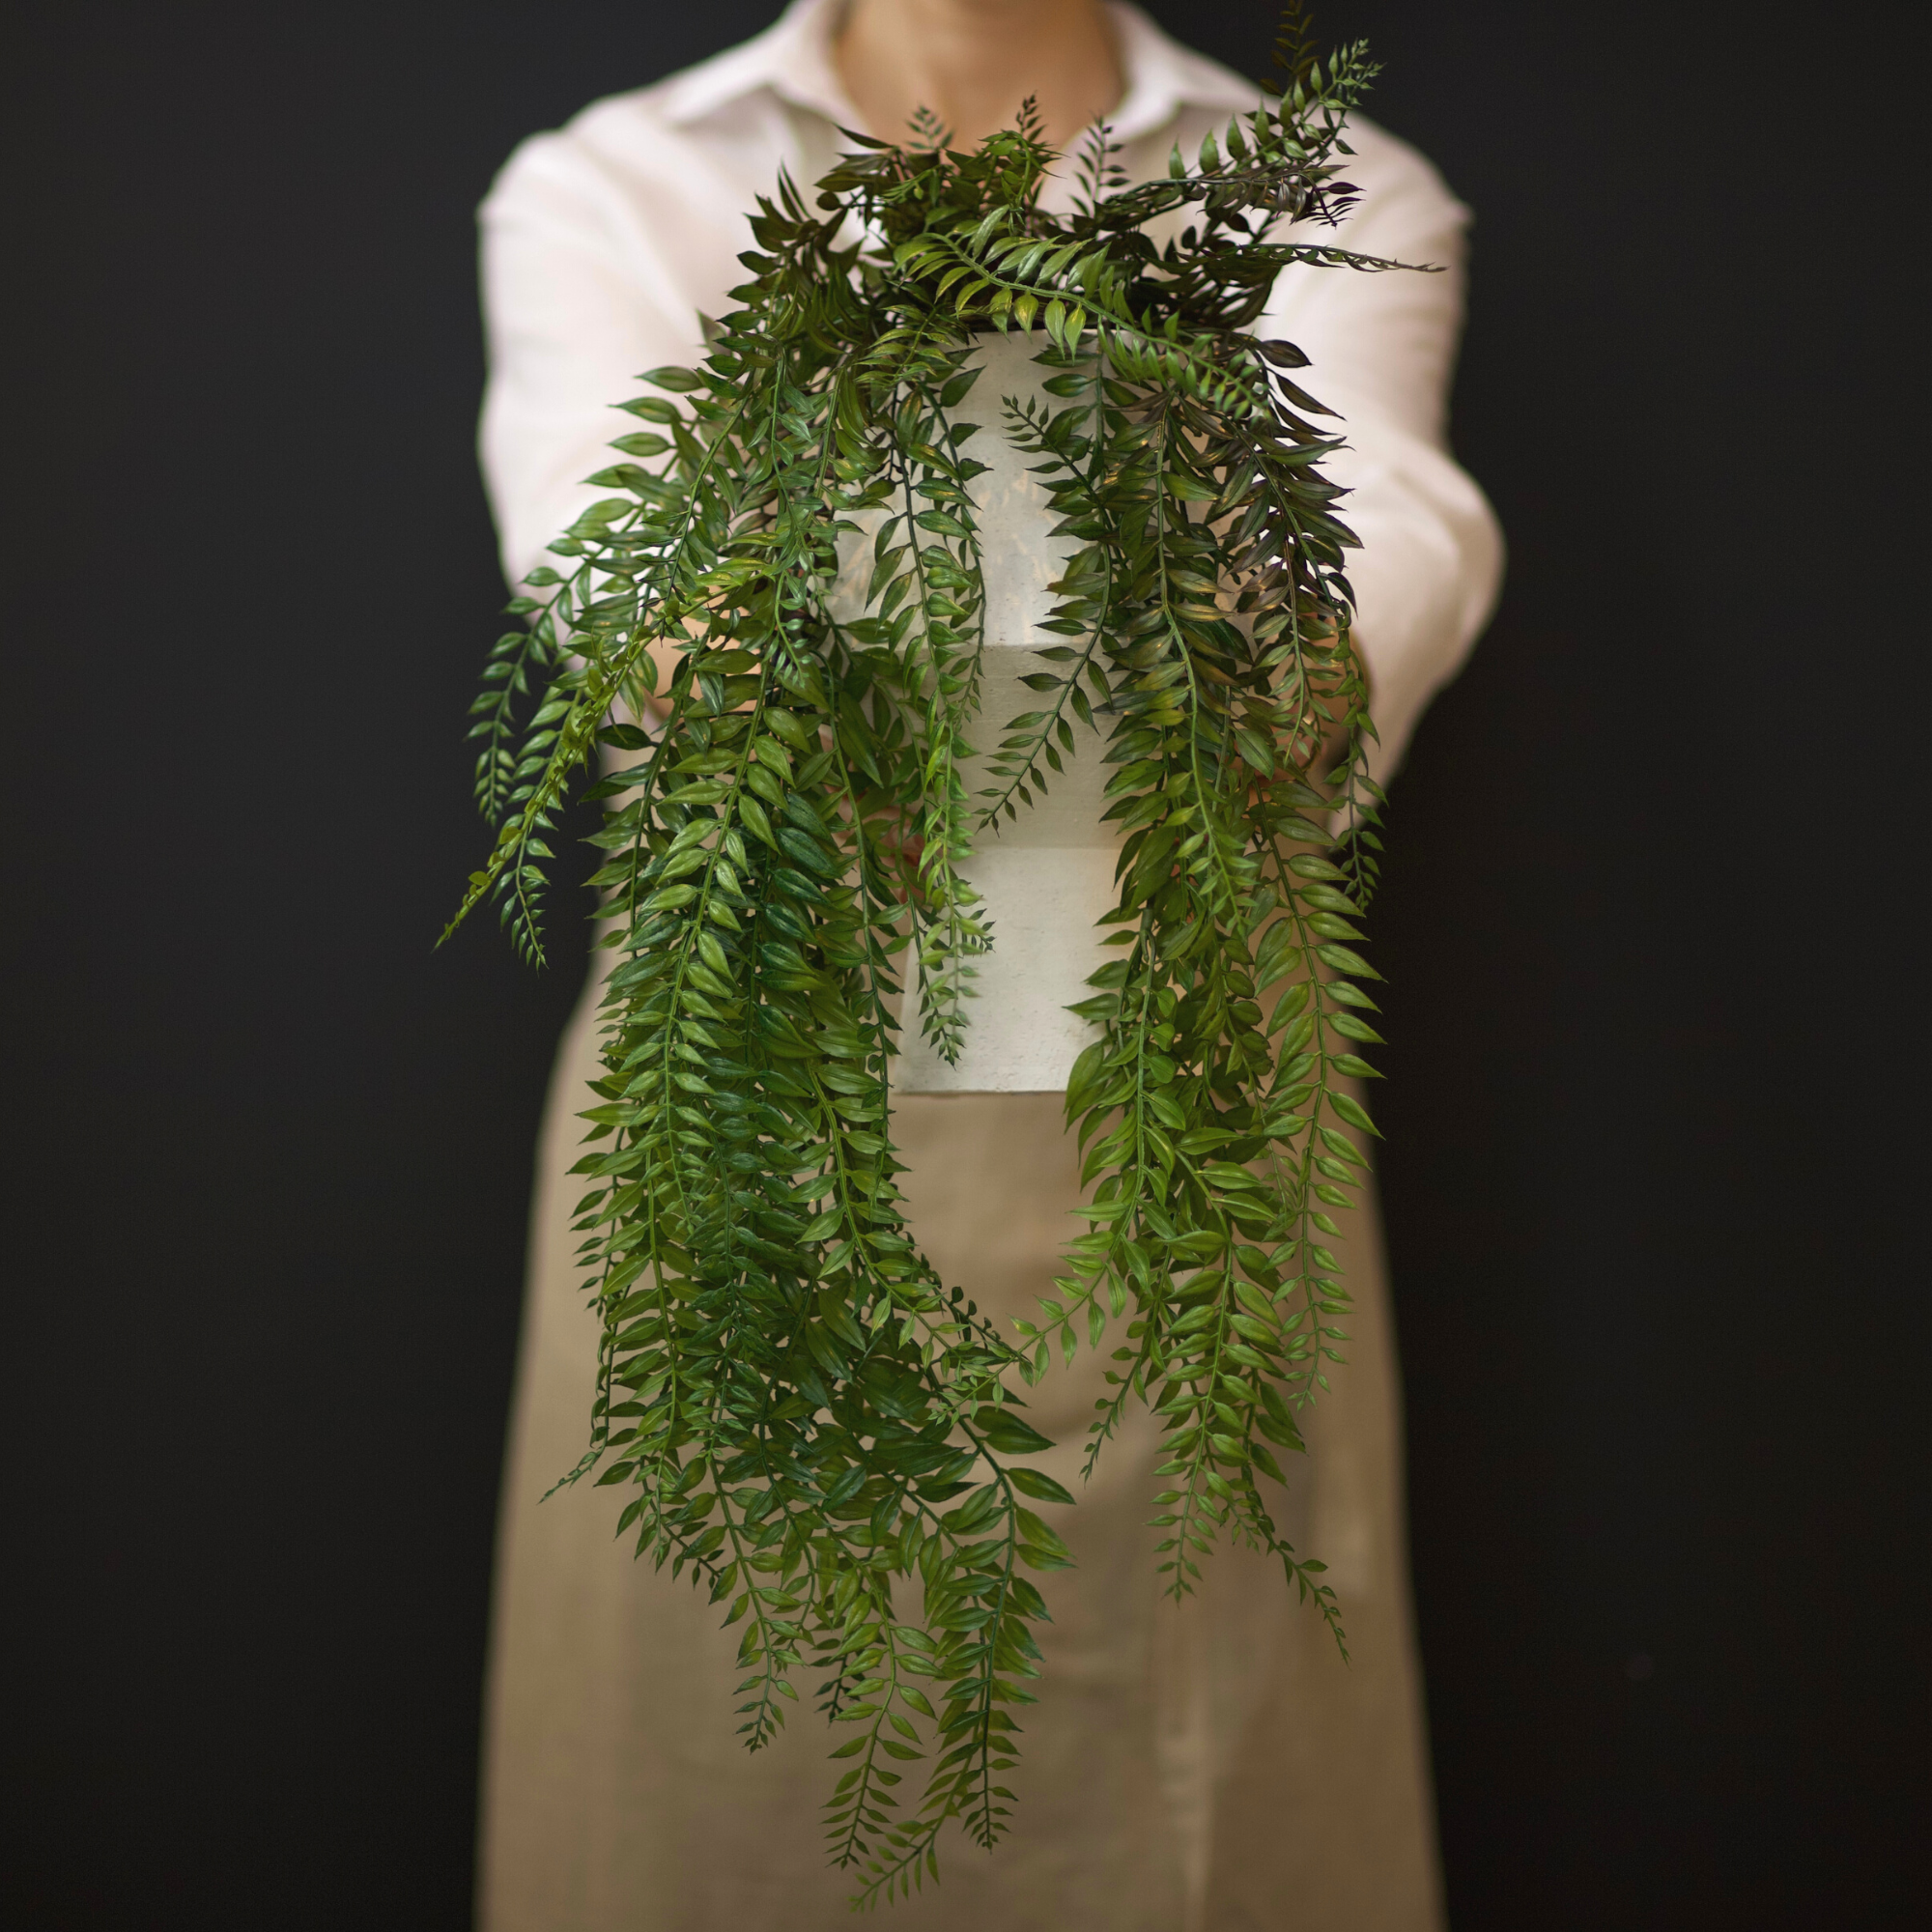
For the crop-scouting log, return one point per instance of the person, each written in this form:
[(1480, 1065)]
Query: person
[(1194, 1769)]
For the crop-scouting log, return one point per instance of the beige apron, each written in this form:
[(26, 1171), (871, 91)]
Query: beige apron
[(1209, 1768)]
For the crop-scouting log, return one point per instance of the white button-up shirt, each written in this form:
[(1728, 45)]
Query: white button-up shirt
[(604, 243)]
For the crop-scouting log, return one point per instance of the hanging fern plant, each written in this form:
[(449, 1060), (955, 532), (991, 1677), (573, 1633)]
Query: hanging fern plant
[(799, 1410)]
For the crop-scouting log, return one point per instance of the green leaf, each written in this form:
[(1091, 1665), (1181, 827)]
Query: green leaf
[(1031, 1482), (1355, 1067), (1003, 1431), (941, 523), (1254, 748), (752, 813), (1344, 960), (1277, 956), (1189, 488), (1351, 1028), (791, 727)]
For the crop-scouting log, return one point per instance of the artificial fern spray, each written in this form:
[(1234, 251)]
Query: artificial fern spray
[(796, 1408)]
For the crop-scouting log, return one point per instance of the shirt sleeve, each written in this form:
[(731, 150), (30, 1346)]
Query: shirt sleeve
[(576, 304), (1381, 350)]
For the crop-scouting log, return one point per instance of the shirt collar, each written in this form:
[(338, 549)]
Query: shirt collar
[(792, 58)]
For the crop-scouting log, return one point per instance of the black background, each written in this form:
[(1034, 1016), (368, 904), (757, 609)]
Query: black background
[(1655, 1149)]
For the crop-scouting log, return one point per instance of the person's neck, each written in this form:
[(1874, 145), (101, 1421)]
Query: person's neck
[(972, 62)]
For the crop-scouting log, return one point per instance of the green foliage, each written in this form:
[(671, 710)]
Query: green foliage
[(799, 1412)]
